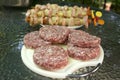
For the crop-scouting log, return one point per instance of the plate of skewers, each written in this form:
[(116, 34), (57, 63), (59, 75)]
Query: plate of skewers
[(53, 14)]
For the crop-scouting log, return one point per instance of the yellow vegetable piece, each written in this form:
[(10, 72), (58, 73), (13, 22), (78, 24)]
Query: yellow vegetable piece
[(101, 22), (99, 14), (94, 21), (92, 14), (60, 14)]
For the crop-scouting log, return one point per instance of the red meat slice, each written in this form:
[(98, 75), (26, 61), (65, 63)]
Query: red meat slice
[(83, 53), (54, 34), (33, 40), (83, 39), (50, 57)]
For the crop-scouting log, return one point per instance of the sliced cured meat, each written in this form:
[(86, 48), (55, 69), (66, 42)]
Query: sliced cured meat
[(83, 53), (82, 39), (32, 40), (50, 57), (54, 34)]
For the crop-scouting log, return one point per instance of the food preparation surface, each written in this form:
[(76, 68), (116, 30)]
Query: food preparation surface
[(13, 28)]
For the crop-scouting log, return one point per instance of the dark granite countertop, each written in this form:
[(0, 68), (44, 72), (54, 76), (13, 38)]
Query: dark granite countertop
[(13, 28)]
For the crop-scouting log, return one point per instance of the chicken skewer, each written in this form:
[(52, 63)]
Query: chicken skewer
[(52, 14)]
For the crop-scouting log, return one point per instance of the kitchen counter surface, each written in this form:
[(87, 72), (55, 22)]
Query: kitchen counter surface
[(13, 28)]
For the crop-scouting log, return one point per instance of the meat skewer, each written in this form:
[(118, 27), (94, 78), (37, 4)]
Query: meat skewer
[(53, 14)]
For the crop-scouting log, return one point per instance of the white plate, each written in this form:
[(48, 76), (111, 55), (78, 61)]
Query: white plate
[(75, 27), (27, 58), (71, 27)]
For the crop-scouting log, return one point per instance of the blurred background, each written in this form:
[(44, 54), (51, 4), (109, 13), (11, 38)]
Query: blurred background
[(115, 7), (94, 3)]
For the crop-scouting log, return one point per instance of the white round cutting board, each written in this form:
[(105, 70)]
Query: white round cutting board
[(27, 58)]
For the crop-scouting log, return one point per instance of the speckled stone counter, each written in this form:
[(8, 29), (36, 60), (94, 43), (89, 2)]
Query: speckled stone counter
[(13, 28)]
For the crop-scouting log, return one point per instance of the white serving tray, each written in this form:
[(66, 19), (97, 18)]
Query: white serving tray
[(70, 27), (27, 58)]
